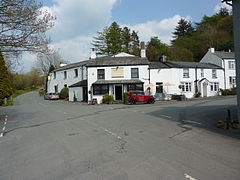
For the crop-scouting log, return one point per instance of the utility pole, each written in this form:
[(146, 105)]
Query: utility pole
[(236, 29)]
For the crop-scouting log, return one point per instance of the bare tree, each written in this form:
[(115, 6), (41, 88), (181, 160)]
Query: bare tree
[(44, 61), (23, 25)]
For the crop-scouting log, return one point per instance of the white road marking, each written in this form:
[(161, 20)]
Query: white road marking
[(111, 133), (188, 177), (193, 122), (1, 135), (5, 122), (166, 116), (4, 127)]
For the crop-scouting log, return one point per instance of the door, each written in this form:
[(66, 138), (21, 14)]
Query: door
[(118, 92), (85, 95), (204, 89)]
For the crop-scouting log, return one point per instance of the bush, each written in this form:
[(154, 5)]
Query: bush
[(64, 93), (125, 97), (41, 92), (225, 92), (107, 99), (198, 94)]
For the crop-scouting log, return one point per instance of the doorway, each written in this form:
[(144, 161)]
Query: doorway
[(118, 92), (85, 94)]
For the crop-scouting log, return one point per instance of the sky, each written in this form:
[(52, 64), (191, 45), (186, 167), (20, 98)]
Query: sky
[(79, 20)]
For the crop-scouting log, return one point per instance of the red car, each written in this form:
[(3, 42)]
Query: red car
[(139, 96)]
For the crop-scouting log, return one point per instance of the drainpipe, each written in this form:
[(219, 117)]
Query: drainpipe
[(225, 86), (196, 86)]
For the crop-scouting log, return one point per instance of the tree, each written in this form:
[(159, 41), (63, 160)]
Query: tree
[(45, 61), (114, 39), (23, 25), (156, 49), (184, 28), (5, 85)]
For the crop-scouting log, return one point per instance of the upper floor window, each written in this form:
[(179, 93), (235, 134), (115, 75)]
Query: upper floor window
[(54, 75), (134, 73), (214, 73), (231, 64), (186, 73), (76, 72), (186, 87), (214, 86), (202, 72), (65, 74), (101, 74)]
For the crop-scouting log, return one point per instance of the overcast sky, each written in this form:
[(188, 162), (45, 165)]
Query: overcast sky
[(79, 20)]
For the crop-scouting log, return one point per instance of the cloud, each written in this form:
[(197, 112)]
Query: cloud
[(163, 29), (222, 5)]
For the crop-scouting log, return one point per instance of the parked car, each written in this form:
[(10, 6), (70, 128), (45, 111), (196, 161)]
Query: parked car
[(51, 96), (139, 96)]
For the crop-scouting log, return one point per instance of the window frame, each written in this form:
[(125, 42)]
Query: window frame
[(214, 75), (134, 75), (186, 74), (99, 75), (186, 86), (99, 90), (159, 87), (76, 73), (214, 86), (231, 65), (135, 87), (202, 72), (64, 74), (54, 75)]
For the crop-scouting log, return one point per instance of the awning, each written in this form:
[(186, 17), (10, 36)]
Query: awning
[(130, 81), (79, 84)]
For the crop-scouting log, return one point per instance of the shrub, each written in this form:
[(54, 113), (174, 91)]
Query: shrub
[(41, 92), (125, 97), (107, 99), (64, 93), (225, 92), (198, 94)]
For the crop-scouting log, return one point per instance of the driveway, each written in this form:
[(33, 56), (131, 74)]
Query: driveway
[(71, 141)]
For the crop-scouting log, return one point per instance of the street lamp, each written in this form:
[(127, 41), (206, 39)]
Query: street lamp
[(236, 29)]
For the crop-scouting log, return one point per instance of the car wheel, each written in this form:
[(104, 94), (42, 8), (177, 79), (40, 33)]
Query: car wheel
[(151, 101), (132, 101)]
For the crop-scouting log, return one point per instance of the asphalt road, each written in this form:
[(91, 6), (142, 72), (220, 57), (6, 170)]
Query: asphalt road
[(57, 140)]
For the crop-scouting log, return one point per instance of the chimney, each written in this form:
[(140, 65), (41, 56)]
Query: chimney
[(212, 50), (62, 64), (163, 58), (143, 50), (93, 54)]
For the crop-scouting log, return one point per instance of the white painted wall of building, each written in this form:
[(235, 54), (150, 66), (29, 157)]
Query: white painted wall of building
[(229, 72)]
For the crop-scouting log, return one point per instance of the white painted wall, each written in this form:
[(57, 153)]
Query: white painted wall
[(92, 77), (229, 72), (78, 93)]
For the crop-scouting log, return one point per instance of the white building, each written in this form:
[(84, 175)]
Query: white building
[(226, 60), (123, 72)]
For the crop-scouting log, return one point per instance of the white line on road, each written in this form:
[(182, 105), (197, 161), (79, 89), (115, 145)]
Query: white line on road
[(166, 116), (188, 177), (193, 122), (5, 122), (4, 127)]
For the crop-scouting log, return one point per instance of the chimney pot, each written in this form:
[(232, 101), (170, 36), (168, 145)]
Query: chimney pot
[(212, 50)]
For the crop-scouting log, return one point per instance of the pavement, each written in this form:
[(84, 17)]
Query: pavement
[(59, 140)]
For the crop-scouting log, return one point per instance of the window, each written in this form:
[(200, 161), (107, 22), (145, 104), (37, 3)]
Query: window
[(231, 64), (202, 72), (214, 86), (186, 73), (100, 89), (135, 87), (65, 74), (54, 75), (134, 73), (159, 87), (214, 73), (232, 81), (186, 87), (56, 88), (101, 74), (76, 72)]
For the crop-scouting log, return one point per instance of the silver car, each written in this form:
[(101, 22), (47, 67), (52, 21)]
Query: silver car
[(51, 96)]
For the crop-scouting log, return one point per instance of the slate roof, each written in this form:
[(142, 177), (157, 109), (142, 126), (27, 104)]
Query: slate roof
[(130, 81), (117, 61), (174, 64), (72, 65), (224, 55), (79, 84)]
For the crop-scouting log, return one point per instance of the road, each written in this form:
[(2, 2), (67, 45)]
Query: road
[(59, 140)]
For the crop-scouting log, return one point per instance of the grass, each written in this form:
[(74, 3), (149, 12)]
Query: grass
[(10, 101)]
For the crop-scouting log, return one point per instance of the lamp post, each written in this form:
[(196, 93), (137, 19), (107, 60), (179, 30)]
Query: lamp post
[(236, 29)]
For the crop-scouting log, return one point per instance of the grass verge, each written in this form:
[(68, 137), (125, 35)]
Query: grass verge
[(10, 100)]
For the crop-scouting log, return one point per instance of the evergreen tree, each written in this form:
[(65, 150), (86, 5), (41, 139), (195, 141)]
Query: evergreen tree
[(135, 48), (5, 86), (126, 39), (184, 28)]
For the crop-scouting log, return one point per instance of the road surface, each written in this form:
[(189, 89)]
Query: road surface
[(58, 140)]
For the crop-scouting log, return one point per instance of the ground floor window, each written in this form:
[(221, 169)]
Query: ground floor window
[(214, 86), (159, 87), (56, 88), (232, 81), (186, 87), (135, 87), (100, 89)]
